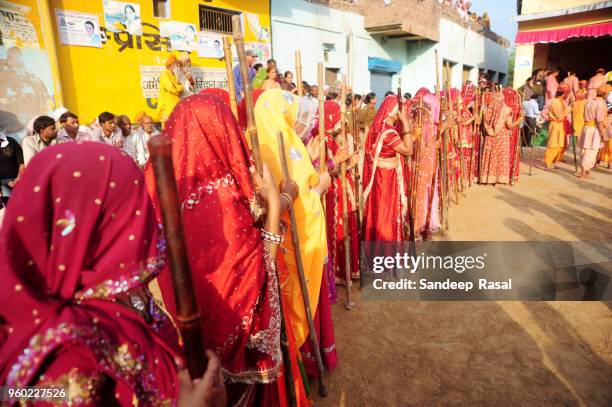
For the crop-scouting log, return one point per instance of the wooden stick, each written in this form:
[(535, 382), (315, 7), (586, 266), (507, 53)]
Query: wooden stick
[(322, 136), (460, 148), (475, 129), (298, 72), (347, 240), (187, 311), (443, 203), (452, 175), (251, 130), (408, 228), (231, 86), (300, 266), (415, 169), (517, 148)]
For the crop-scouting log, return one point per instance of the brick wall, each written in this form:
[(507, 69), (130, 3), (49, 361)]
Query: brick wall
[(420, 17)]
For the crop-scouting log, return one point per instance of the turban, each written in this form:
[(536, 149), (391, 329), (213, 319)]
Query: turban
[(170, 61), (139, 116)]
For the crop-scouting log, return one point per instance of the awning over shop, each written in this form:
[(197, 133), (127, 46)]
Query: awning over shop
[(384, 65), (562, 34)]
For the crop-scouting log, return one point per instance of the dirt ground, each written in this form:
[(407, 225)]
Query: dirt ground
[(488, 353)]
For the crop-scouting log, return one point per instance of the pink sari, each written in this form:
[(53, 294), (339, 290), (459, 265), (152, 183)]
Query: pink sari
[(79, 238), (428, 168)]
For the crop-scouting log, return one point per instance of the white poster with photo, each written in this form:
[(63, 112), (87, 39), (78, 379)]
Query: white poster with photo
[(77, 28), (203, 78), (122, 16), (210, 45), (16, 28), (261, 50), (182, 35)]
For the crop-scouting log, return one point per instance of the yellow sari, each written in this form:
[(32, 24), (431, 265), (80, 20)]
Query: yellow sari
[(277, 110)]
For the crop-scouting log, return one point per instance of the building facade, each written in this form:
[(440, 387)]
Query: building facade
[(392, 45), (92, 56), (571, 34)]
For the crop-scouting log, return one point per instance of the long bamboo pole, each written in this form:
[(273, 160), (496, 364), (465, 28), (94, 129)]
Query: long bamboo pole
[(187, 311), (322, 141), (300, 266), (298, 72), (231, 86), (517, 148), (475, 129), (251, 130), (347, 240), (460, 148), (416, 167), (442, 155)]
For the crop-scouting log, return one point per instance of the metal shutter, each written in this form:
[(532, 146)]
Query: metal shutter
[(380, 83)]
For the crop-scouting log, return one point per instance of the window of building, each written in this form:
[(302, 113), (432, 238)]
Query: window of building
[(216, 19), (467, 71), (331, 76), (161, 8), (501, 77)]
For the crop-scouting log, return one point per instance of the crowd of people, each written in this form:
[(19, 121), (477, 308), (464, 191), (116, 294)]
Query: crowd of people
[(576, 113), (86, 280)]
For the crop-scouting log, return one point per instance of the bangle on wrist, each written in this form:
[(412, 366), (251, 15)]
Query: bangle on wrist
[(287, 198), (271, 237), (316, 191)]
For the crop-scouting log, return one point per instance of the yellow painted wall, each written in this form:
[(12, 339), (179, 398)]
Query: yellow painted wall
[(107, 78), (540, 6)]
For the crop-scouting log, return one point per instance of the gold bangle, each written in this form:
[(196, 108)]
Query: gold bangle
[(287, 198)]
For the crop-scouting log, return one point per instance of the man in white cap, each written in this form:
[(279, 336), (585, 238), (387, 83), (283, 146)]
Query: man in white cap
[(251, 57)]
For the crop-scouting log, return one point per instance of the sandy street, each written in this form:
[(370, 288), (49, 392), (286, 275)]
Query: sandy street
[(488, 353)]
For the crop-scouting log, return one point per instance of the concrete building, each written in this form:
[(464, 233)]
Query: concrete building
[(48, 58), (392, 45), (572, 34)]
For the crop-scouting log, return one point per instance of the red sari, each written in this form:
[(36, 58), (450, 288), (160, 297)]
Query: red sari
[(335, 204), (385, 201), (62, 292), (235, 281), (495, 164)]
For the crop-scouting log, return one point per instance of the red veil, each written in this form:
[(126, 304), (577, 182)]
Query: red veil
[(235, 287), (80, 232), (387, 108)]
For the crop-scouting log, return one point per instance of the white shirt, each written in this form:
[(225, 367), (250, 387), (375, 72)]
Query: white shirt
[(532, 109), (32, 145), (114, 138), (83, 134), (136, 145)]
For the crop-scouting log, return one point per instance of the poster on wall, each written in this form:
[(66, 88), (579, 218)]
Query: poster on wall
[(122, 16), (16, 28), (262, 50), (182, 35), (261, 33), (203, 77), (77, 28), (26, 86), (210, 45)]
